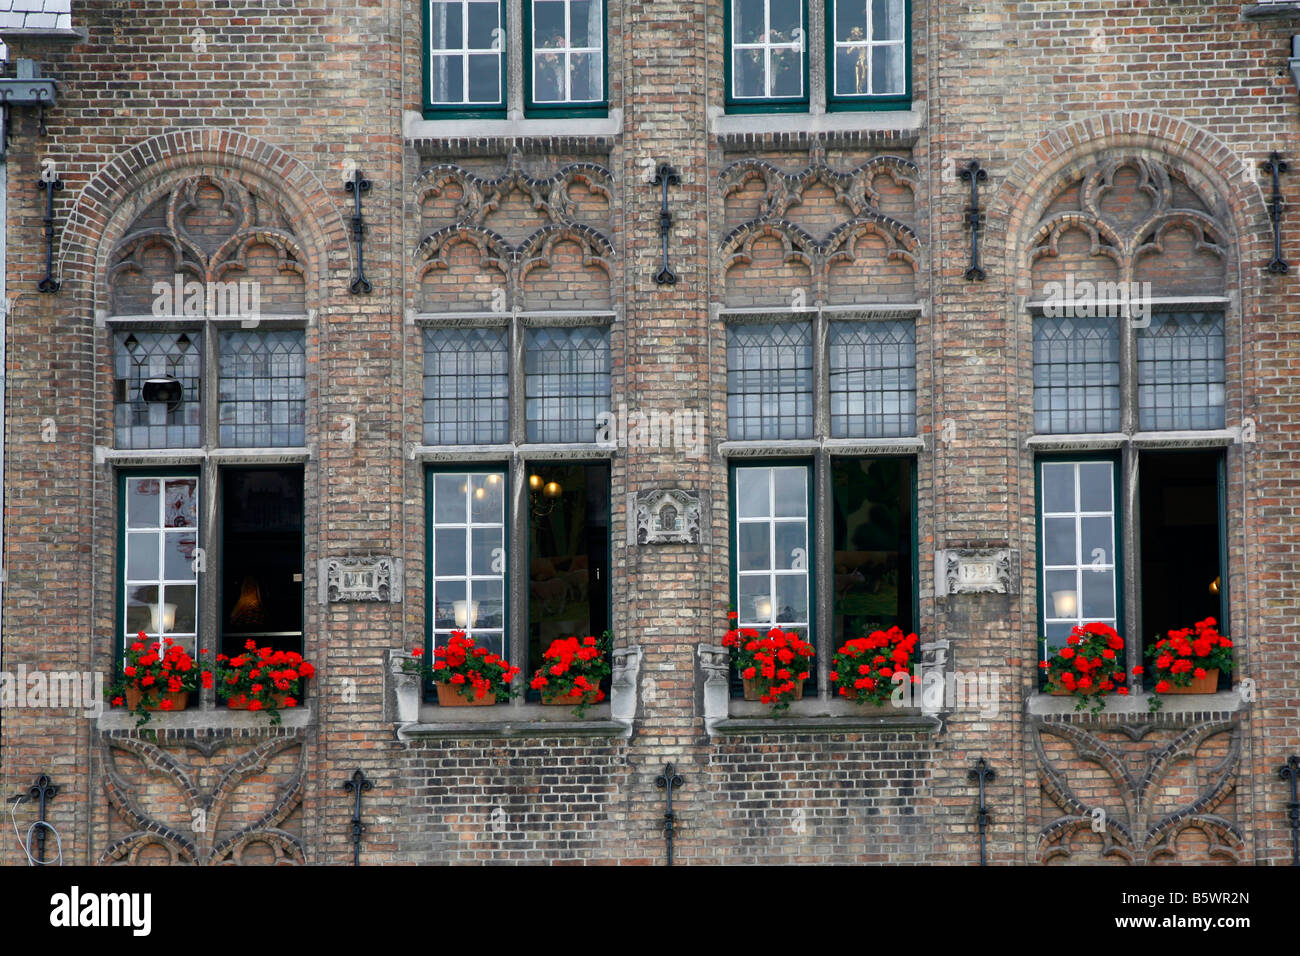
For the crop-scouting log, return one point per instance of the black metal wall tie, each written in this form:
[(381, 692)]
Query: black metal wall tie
[(358, 784), (1291, 771), (1276, 166), (41, 792), (666, 781), (974, 174), (983, 772), (358, 185), (50, 187), (664, 177)]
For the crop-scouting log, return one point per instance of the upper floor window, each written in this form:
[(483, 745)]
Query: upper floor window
[(467, 66), (865, 59)]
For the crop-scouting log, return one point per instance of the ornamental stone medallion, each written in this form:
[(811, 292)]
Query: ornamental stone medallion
[(667, 516)]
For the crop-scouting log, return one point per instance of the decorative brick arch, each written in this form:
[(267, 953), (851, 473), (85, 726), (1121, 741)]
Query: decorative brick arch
[(127, 185), (1212, 168)]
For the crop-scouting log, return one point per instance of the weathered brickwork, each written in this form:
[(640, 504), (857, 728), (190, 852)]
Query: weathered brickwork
[(1120, 144)]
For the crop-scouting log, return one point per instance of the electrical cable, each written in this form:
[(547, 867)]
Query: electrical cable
[(26, 842)]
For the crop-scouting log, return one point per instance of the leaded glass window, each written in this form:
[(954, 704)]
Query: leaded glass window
[(262, 389), (873, 379), (769, 381), (466, 386), (172, 362), (1180, 371), (567, 383), (1076, 375)]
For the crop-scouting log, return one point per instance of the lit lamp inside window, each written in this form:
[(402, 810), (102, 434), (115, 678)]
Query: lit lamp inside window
[(168, 619), (465, 612), (762, 609), (1066, 603)]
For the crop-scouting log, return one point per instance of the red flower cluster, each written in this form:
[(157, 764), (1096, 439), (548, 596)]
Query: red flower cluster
[(572, 669), (776, 661), (262, 678), (1190, 654), (154, 669), (864, 669), (470, 668), (1091, 664)]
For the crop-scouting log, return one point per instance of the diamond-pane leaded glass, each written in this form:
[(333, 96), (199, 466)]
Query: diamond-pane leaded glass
[(1180, 371), (263, 389), (466, 386), (1076, 375), (141, 356), (566, 383), (769, 381), (873, 379)]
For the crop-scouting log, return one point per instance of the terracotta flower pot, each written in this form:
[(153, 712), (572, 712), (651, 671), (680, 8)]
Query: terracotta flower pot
[(449, 695), (756, 687), (553, 699), (179, 700), (1199, 685)]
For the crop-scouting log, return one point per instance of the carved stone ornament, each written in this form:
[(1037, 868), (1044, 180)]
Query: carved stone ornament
[(976, 571), (667, 516), (360, 579)]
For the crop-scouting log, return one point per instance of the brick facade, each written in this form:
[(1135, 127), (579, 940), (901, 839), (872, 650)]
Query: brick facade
[(168, 142)]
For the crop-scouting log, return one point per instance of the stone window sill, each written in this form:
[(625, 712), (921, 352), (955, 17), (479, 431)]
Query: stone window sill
[(467, 136), (1177, 706), (762, 131), (1260, 11), (218, 718), (813, 715), (512, 720)]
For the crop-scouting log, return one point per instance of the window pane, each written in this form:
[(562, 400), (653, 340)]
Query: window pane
[(1077, 549), (567, 51), (772, 550), (159, 552), (1180, 371), (870, 54), (1181, 541), (467, 566), (1076, 375), (262, 558), (872, 546), (139, 357), (767, 48), (769, 381), (567, 383), (568, 548), (466, 43), (466, 386), (263, 389), (749, 20), (873, 379)]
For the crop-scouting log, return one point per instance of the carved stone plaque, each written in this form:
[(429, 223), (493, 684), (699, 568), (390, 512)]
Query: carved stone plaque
[(976, 571), (667, 516), (360, 579)]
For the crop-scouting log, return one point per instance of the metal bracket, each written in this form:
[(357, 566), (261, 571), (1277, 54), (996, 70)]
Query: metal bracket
[(49, 187), (974, 174), (666, 781), (1276, 165), (358, 185), (664, 177), (1291, 771), (357, 784), (983, 772), (42, 791)]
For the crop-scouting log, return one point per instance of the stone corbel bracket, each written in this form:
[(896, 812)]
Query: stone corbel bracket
[(715, 665), (625, 668), (406, 692)]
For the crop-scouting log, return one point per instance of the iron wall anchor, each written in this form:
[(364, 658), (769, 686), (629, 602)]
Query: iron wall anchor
[(1276, 165), (974, 174), (983, 772), (666, 781), (664, 177), (357, 784), (358, 185), (1291, 771), (50, 187)]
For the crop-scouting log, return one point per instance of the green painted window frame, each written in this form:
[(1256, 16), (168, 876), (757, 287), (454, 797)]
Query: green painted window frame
[(119, 586), (433, 110), (476, 468), (1115, 460), (591, 108), (865, 102), (761, 104), (733, 586)]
